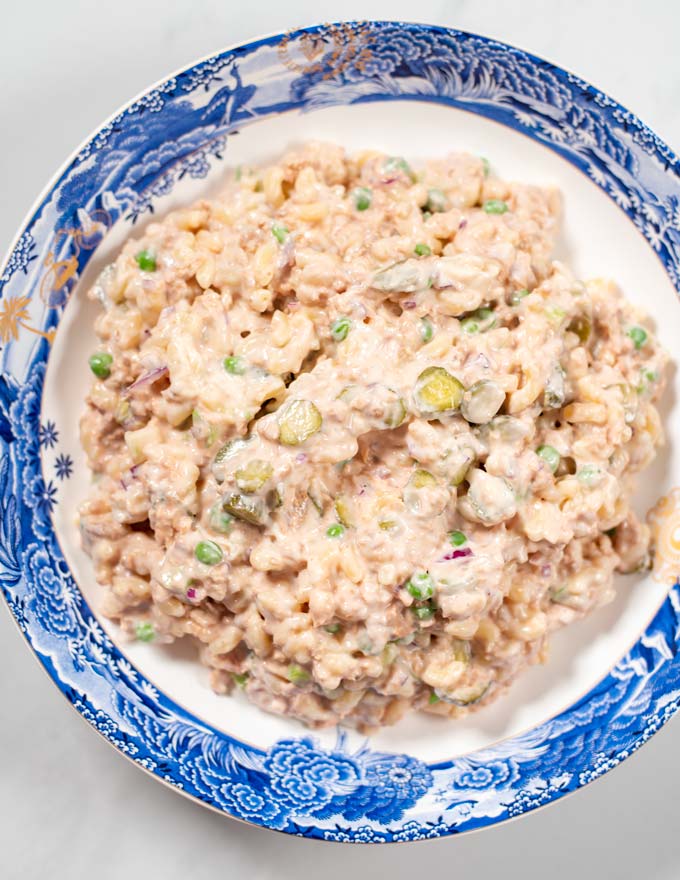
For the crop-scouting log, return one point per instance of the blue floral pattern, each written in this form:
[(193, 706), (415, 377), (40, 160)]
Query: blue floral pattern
[(182, 128), (48, 436), (63, 466)]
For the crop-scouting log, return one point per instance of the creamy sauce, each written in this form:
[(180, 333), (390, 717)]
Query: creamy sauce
[(361, 438)]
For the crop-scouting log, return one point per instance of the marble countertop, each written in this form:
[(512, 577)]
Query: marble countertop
[(70, 807)]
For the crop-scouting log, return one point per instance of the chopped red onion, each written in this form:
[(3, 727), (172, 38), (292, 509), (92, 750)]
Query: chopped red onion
[(147, 378), (126, 479), (456, 554), (546, 570), (191, 593), (408, 304), (462, 224), (300, 457)]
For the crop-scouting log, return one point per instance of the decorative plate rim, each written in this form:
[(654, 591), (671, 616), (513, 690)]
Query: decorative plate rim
[(296, 786)]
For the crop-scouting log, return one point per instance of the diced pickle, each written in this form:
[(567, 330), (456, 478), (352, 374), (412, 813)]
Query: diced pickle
[(468, 695), (253, 475), (436, 390), (461, 651), (298, 421), (481, 402), (318, 494), (230, 448), (409, 276), (421, 479), (459, 473), (395, 409), (436, 201), (123, 412), (581, 326), (554, 394), (504, 429), (343, 511), (249, 508)]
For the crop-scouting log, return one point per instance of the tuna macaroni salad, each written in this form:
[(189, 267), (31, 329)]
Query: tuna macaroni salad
[(355, 433)]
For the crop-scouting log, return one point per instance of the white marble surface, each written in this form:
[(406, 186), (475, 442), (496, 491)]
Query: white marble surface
[(70, 807)]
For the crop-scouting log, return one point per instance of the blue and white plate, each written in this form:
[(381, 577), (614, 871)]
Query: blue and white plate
[(421, 91)]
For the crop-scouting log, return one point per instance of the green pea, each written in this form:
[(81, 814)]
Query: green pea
[(588, 475), (432, 699), (333, 628), (457, 538), (495, 206), (647, 378), (208, 552), (240, 678), (550, 456), (298, 421), (337, 530), (518, 295), (420, 585), (426, 329), (279, 232), (362, 198), (220, 521), (436, 201), (144, 631), (436, 390), (146, 261), (555, 314), (340, 328), (100, 364), (638, 335), (478, 321), (424, 612), (297, 675), (398, 163), (422, 250), (235, 365)]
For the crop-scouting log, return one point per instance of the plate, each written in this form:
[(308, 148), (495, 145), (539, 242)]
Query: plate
[(612, 680)]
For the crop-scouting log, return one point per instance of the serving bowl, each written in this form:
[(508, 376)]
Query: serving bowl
[(422, 91)]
